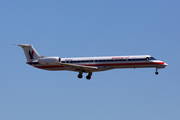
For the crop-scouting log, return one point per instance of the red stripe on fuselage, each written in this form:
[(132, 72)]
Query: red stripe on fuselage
[(110, 64), (119, 64)]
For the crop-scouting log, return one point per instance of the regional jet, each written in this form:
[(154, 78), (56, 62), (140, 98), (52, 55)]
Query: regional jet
[(89, 64)]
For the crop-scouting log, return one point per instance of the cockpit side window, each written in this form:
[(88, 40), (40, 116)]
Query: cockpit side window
[(147, 58)]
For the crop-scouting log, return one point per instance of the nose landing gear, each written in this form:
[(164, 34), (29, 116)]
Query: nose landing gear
[(156, 72)]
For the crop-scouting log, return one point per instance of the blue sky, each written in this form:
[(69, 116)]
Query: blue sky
[(90, 28)]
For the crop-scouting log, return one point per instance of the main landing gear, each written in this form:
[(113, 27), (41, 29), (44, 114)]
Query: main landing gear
[(80, 76), (88, 77), (156, 72)]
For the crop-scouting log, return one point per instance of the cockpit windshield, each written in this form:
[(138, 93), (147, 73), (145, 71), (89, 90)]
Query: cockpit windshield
[(152, 58)]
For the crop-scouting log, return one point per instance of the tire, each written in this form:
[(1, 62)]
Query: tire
[(88, 77), (80, 76), (156, 73)]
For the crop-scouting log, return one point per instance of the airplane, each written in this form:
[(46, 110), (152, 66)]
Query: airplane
[(89, 64)]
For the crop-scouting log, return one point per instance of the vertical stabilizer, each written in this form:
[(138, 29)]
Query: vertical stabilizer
[(30, 53)]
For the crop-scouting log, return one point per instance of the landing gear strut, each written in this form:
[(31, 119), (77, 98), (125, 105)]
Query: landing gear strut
[(89, 76), (80, 74), (156, 71)]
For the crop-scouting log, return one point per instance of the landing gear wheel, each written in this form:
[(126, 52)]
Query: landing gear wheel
[(80, 76), (88, 77), (156, 73)]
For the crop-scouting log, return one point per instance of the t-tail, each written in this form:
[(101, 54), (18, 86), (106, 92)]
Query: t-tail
[(30, 53)]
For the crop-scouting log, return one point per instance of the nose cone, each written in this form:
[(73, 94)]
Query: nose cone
[(165, 64)]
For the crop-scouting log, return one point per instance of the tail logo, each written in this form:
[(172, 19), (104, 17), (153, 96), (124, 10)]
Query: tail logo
[(31, 54)]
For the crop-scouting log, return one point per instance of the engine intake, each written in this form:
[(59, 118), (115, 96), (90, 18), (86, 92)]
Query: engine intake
[(49, 60)]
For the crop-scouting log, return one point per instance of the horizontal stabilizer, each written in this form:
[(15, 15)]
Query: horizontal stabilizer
[(22, 45)]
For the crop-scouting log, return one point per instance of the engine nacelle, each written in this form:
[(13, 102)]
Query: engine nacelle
[(49, 60)]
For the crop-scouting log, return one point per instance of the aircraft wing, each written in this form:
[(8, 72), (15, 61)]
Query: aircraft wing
[(79, 67)]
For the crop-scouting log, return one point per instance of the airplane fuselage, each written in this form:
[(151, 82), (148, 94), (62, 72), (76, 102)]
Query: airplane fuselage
[(89, 64), (106, 63)]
